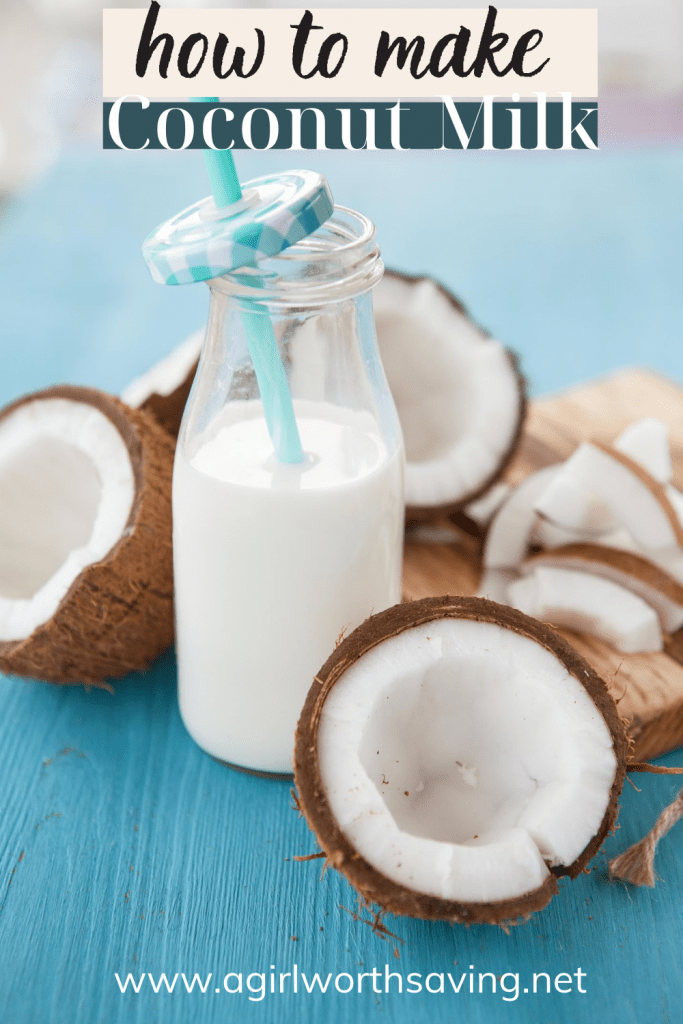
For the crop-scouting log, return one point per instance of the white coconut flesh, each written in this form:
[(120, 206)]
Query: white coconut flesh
[(494, 584), (456, 391), (569, 505), (483, 509), (462, 759), (548, 535), (628, 497), (166, 375), (589, 604), (676, 499), (595, 497), (647, 442), (66, 491), (511, 528), (670, 612), (669, 560)]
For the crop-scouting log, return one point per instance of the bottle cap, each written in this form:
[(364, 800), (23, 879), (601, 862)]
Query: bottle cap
[(203, 242)]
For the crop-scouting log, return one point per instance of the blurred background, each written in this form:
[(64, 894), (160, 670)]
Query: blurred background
[(571, 258)]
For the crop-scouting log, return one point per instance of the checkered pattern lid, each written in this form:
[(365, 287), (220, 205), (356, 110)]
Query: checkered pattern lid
[(202, 242)]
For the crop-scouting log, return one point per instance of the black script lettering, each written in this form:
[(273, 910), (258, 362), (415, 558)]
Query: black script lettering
[(303, 30), (457, 60), (238, 60), (520, 51), (385, 48), (490, 43), (186, 51), (148, 45), (322, 66)]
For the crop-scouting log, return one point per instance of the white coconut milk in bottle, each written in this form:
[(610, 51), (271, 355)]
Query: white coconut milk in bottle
[(274, 561)]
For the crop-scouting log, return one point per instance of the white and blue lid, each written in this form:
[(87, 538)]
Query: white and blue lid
[(203, 242)]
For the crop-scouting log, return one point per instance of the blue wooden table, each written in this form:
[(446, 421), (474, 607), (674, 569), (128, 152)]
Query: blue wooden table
[(124, 849)]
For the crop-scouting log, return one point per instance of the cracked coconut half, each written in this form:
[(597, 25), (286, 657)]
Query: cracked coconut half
[(459, 394), (86, 586), (454, 757)]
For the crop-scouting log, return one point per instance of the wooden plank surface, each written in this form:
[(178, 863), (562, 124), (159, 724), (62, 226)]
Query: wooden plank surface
[(649, 687)]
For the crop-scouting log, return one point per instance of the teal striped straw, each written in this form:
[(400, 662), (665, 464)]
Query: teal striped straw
[(270, 373)]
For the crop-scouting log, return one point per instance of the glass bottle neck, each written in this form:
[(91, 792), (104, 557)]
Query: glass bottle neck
[(340, 261)]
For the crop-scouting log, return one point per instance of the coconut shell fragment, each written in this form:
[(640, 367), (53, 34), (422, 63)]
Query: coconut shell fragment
[(572, 598), (168, 409), (116, 615), (636, 499), (369, 874), (628, 568), (164, 389), (460, 395)]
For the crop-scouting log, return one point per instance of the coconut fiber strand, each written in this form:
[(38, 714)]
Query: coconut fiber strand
[(636, 865)]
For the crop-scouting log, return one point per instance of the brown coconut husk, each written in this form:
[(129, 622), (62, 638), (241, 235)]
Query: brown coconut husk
[(373, 886), (168, 409), (416, 514), (118, 614)]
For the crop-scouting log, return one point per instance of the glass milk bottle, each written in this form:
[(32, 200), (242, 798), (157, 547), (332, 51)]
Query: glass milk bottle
[(274, 560)]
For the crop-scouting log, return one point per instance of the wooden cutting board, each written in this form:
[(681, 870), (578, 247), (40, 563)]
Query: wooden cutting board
[(649, 687)]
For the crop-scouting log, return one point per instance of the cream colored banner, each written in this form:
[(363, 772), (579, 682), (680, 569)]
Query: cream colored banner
[(452, 52)]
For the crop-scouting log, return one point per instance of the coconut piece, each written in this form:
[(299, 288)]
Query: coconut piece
[(164, 389), (670, 561), (674, 567), (483, 509), (566, 504), (548, 535), (459, 394), (620, 539), (494, 584), (676, 499), (454, 756), (589, 604), (647, 442), (627, 568), (86, 587), (569, 505), (636, 499), (673, 563), (511, 528)]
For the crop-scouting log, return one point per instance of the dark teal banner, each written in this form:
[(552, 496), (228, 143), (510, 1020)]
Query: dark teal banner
[(443, 124)]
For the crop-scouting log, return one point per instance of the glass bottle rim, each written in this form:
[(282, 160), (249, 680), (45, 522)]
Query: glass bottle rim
[(340, 260)]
